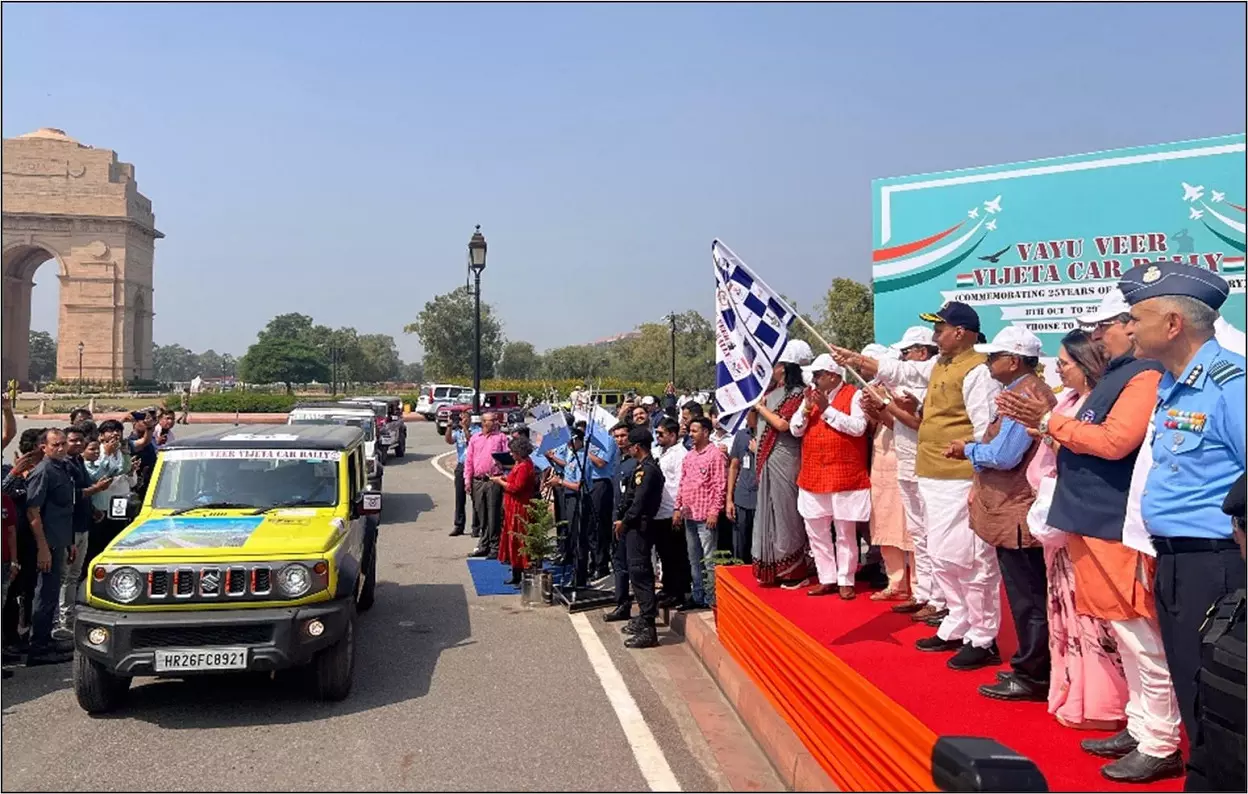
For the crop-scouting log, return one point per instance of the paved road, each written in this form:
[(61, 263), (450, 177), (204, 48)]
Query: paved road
[(452, 691)]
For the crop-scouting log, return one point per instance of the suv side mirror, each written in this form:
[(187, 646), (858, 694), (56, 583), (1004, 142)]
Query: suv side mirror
[(370, 503)]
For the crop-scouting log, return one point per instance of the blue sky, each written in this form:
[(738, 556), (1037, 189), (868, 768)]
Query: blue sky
[(333, 159)]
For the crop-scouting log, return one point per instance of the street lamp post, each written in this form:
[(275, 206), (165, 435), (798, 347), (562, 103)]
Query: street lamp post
[(476, 263), (81, 347)]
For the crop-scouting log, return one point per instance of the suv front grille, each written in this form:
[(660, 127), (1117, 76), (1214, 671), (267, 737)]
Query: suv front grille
[(209, 583), (198, 636)]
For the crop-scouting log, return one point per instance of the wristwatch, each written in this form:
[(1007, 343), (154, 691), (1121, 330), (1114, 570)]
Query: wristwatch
[(1044, 423)]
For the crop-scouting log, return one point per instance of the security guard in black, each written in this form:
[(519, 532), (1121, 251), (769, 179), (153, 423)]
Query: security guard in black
[(639, 502)]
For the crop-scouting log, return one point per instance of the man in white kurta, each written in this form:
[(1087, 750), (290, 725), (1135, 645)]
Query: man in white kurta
[(821, 508)]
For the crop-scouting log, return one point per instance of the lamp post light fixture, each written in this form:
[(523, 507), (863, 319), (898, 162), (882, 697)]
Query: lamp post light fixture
[(476, 264), (81, 347)]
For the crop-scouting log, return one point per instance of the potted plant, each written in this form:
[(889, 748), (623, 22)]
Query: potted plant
[(537, 543)]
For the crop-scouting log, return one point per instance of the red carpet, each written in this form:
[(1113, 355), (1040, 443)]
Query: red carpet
[(869, 706)]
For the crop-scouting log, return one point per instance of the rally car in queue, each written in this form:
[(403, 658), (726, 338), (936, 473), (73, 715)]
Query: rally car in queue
[(503, 402), (253, 551), (347, 413), (391, 429)]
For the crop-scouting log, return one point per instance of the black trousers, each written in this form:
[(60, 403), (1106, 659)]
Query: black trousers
[(639, 543), (1027, 592), (1187, 583), (621, 568), (601, 502), (487, 507), (674, 555), (461, 499), (577, 539), (21, 594), (743, 535)]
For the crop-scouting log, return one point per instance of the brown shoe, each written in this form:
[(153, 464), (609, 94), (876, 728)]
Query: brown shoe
[(822, 590), (848, 594), (923, 614), (908, 606)]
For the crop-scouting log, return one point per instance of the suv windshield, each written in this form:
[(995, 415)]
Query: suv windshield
[(247, 478), (362, 422)]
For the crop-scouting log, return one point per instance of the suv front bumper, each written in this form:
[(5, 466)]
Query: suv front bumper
[(276, 638)]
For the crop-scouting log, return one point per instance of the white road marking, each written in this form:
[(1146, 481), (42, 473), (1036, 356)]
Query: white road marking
[(649, 756), (646, 751), (438, 467)]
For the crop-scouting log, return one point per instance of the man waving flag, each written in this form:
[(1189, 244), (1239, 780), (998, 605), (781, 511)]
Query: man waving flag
[(751, 329)]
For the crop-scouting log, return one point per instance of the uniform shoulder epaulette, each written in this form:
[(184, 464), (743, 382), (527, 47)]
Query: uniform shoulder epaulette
[(1222, 371)]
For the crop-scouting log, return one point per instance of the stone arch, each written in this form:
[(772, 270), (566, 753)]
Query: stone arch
[(80, 206)]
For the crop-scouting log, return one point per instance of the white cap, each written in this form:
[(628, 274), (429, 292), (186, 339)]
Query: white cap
[(879, 352), (1013, 339), (914, 336), (824, 363), (647, 400), (796, 352), (1112, 305)]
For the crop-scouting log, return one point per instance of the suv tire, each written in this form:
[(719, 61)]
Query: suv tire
[(334, 667), (98, 691)]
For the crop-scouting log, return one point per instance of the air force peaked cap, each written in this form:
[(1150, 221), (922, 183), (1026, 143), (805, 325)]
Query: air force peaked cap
[(1174, 278)]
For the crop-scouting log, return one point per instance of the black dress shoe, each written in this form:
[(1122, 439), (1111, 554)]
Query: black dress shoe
[(972, 658), (670, 602), (935, 643), (515, 579), (1014, 688), (624, 612), (456, 533), (476, 533), (1003, 675), (691, 606), (479, 553), (1116, 746), (1135, 767), (647, 637), (633, 626)]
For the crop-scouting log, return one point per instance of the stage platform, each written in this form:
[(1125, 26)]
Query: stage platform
[(868, 706)]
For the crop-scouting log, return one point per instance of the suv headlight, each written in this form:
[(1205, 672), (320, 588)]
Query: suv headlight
[(294, 580), (125, 585)]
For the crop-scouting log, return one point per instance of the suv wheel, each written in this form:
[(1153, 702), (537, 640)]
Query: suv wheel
[(98, 691), (334, 667)]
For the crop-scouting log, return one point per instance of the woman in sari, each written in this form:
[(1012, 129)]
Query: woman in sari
[(1087, 685), (519, 487), (780, 549)]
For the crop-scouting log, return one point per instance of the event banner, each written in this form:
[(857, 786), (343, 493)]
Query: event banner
[(1039, 243)]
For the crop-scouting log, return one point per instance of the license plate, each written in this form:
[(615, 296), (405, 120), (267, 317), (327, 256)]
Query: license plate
[(190, 659)]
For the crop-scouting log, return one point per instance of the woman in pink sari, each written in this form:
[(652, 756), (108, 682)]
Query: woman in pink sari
[(1087, 687)]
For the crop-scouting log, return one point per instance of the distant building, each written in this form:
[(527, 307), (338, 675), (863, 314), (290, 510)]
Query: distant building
[(610, 340)]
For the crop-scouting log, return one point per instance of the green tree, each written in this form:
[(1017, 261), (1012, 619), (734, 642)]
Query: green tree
[(648, 356), (290, 326), (847, 315), (42, 357), (573, 361), (277, 360), (208, 364), (379, 358), (519, 360), (173, 363), (445, 329), (412, 372)]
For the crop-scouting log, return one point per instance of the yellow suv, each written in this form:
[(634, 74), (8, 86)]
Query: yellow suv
[(253, 551)]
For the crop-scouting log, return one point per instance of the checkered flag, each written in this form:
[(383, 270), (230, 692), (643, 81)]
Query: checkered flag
[(751, 329)]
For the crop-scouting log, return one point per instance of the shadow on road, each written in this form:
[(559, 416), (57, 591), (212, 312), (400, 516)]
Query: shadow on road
[(398, 646), (410, 457), (400, 507)]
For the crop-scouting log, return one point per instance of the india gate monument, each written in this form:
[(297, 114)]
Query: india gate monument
[(80, 206)]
